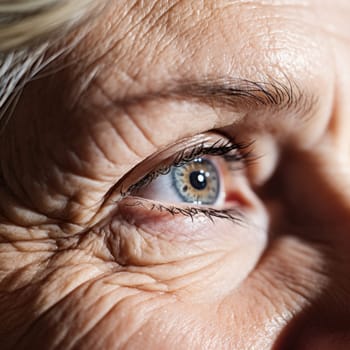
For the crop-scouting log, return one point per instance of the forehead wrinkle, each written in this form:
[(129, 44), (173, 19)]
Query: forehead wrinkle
[(162, 48), (140, 19), (131, 24)]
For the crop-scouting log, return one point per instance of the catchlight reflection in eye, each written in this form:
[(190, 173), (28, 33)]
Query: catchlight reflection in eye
[(197, 182)]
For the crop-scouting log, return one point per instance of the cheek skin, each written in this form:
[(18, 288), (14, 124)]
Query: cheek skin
[(180, 250)]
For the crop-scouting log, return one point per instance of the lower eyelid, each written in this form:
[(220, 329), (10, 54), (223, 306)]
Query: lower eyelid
[(140, 239), (158, 221)]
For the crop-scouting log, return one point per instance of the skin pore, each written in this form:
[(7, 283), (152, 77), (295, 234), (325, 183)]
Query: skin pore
[(96, 255)]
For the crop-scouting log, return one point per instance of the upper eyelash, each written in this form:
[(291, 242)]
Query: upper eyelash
[(218, 148)]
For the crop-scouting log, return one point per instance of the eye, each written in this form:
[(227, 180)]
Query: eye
[(197, 182), (204, 174)]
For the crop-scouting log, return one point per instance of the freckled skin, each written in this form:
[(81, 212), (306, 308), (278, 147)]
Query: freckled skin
[(80, 270)]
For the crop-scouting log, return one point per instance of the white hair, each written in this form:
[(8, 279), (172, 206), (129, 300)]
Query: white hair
[(27, 29)]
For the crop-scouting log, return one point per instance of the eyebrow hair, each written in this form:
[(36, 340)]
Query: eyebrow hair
[(235, 94), (248, 94)]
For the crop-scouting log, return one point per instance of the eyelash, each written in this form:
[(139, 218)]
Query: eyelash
[(233, 215), (221, 148)]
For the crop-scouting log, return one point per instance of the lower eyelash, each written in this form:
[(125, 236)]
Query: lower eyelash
[(233, 215)]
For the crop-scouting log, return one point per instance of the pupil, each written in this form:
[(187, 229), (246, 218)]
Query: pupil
[(198, 180)]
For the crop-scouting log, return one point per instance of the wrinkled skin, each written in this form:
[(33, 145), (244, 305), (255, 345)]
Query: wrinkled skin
[(82, 269)]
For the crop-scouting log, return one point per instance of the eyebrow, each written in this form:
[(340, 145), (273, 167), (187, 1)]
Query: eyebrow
[(249, 94), (235, 94)]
